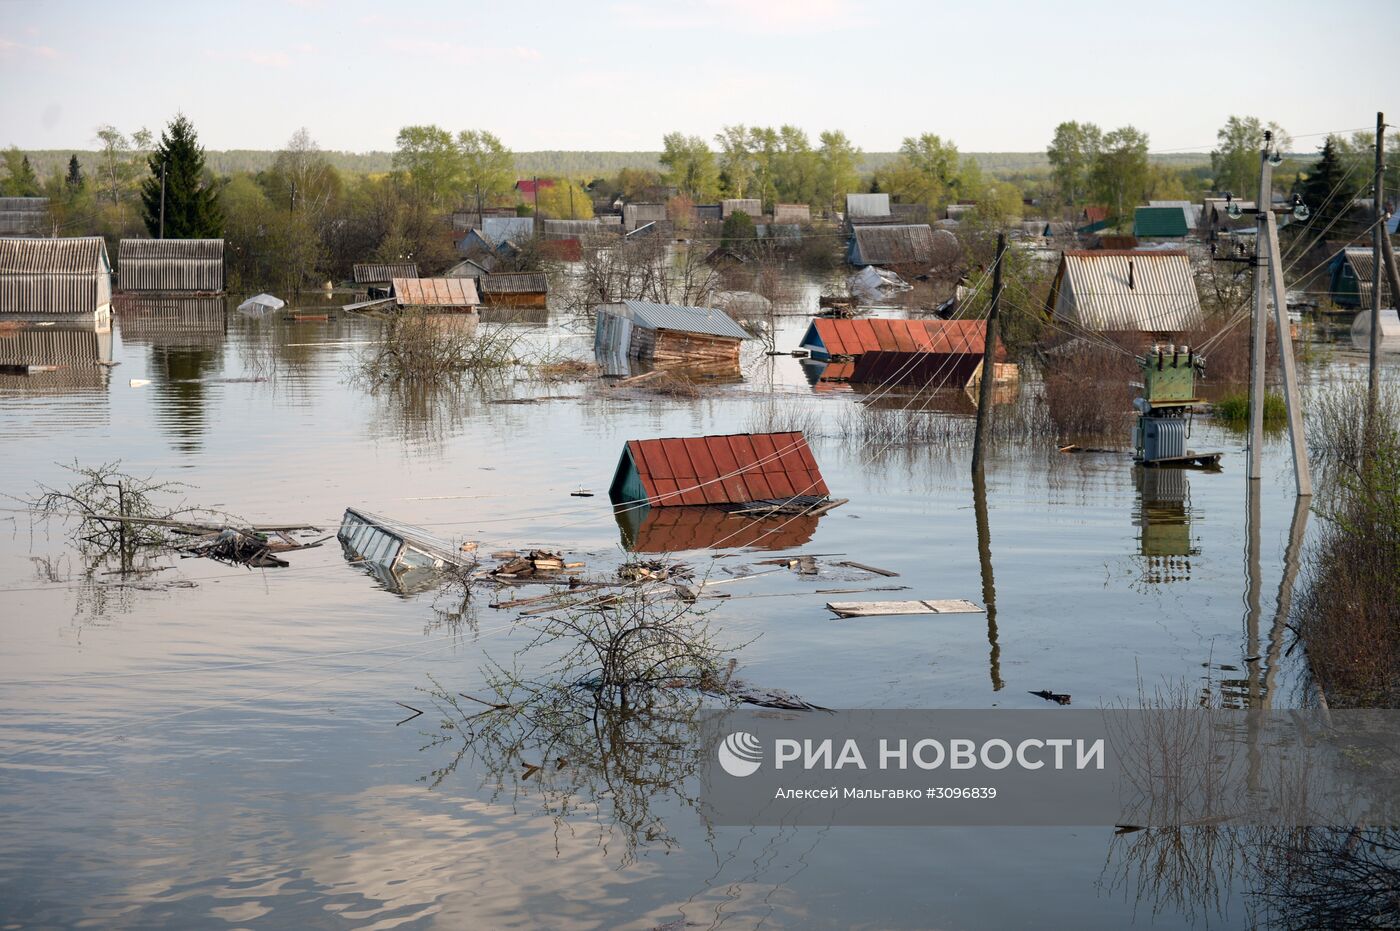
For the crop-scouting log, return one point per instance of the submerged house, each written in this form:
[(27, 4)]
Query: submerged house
[(499, 230), (24, 216), (635, 215), (445, 295), (1125, 291), (1349, 280), (922, 353), (63, 277), (727, 471), (526, 289), (666, 334), (171, 266), (792, 213), (897, 244), (867, 206), (402, 557)]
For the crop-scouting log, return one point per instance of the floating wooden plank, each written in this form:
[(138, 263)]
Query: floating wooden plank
[(889, 608), (860, 565)]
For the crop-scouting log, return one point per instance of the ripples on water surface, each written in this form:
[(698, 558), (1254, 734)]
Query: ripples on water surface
[(226, 753)]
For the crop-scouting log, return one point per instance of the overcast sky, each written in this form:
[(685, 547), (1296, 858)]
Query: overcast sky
[(993, 76)]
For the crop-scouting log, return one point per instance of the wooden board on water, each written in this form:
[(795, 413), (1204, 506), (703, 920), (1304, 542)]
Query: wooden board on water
[(890, 608)]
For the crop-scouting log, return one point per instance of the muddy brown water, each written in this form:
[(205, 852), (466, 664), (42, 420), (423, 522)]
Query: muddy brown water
[(218, 746)]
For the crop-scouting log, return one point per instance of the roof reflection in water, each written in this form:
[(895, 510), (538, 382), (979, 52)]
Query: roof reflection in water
[(677, 529)]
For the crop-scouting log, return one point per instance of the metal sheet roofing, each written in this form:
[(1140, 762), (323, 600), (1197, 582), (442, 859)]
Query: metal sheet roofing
[(570, 229), (24, 216), (733, 469), (853, 337), (54, 276), (521, 283), (1092, 289), (1162, 221), (171, 264), (867, 205), (499, 229), (750, 205), (708, 320), (792, 213), (436, 292), (902, 244), (1362, 262), (384, 272)]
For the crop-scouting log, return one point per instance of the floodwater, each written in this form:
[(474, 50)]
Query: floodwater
[(216, 746)]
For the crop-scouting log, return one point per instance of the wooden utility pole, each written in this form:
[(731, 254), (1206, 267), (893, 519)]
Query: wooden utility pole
[(989, 366), (1258, 342), (1373, 383)]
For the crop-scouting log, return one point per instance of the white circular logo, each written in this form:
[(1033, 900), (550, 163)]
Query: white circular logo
[(740, 754)]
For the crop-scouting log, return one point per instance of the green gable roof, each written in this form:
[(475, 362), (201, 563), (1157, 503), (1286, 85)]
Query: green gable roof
[(1159, 222)]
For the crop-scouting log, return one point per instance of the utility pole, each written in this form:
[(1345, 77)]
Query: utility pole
[(162, 198), (537, 197), (1258, 343), (1373, 383), (989, 373)]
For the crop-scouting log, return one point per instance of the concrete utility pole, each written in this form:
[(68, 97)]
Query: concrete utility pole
[(1373, 383), (989, 369), (1258, 342)]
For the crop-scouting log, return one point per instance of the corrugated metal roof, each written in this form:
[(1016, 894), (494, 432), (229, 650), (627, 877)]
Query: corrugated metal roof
[(24, 216), (469, 268), (1091, 289), (892, 245), (708, 320), (436, 292), (732, 469), (570, 229), (750, 205), (792, 213), (1362, 262), (171, 265), (1095, 213), (1161, 221), (635, 215), (521, 283), (54, 276), (867, 205), (917, 369), (384, 272), (854, 337), (499, 229)]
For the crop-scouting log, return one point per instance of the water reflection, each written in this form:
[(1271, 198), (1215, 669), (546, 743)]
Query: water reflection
[(1164, 522), (677, 529), (989, 585), (54, 357), (186, 341)]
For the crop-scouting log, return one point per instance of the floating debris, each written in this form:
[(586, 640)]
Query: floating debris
[(247, 547), (1058, 698), (888, 608)]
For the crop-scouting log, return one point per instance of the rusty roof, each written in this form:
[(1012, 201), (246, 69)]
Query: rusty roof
[(733, 469), (436, 292), (852, 337)]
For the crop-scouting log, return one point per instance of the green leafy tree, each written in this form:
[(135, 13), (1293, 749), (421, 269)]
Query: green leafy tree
[(739, 232), (20, 179), (1120, 175), (428, 163), (837, 174), (75, 173), (488, 167), (192, 209), (690, 166), (1235, 160), (565, 200), (927, 171), (1072, 154), (796, 168), (736, 160)]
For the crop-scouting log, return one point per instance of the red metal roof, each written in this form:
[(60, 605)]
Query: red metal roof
[(527, 185), (733, 469), (846, 337), (1096, 213)]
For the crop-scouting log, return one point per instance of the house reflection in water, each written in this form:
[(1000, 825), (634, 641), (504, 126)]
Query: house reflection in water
[(674, 530), (186, 340), (48, 356), (1164, 522)]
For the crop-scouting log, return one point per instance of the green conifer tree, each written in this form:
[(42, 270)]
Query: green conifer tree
[(192, 208)]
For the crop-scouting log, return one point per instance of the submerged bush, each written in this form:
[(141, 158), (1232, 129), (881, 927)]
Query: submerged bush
[(425, 348), (1089, 392), (1233, 410)]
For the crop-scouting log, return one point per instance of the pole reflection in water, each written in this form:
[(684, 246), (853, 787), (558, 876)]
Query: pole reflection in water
[(989, 587), (1292, 556)]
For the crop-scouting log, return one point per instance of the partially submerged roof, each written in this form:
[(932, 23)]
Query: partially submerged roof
[(55, 276), (519, 283), (792, 213), (750, 205), (710, 321), (397, 548), (903, 244), (500, 229), (435, 292), (24, 216), (867, 205), (734, 469), (1363, 266), (83, 255), (171, 264), (852, 337), (384, 272), (1119, 290)]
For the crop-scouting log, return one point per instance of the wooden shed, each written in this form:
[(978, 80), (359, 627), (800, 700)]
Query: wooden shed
[(735, 469), (528, 289), (62, 277), (749, 205), (891, 244), (910, 353), (792, 213), (1350, 279), (667, 334), (171, 266), (635, 215), (445, 295)]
